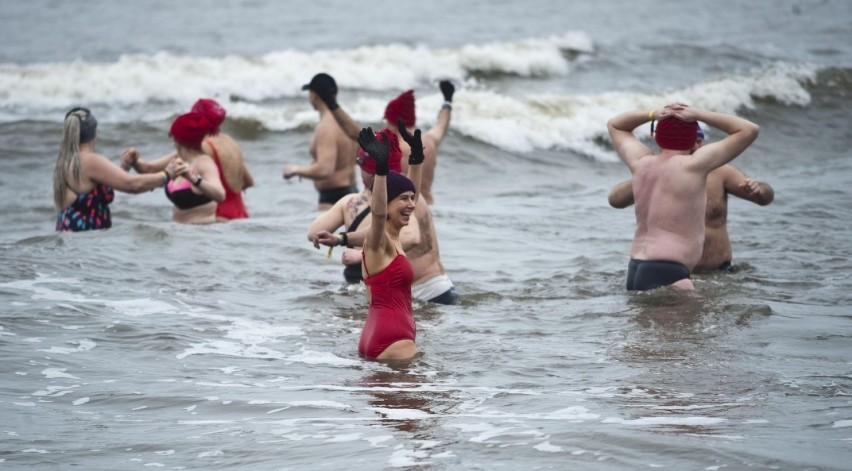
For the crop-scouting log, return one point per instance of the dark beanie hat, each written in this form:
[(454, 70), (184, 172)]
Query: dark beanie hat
[(398, 184)]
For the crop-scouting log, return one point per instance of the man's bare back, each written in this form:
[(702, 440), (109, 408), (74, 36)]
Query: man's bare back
[(669, 188)]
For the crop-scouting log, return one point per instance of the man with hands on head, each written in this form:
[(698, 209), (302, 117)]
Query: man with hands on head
[(669, 188), (725, 180)]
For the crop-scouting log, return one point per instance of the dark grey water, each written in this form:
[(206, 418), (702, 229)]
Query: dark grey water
[(233, 346)]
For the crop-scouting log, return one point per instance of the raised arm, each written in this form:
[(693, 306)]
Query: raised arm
[(437, 133), (628, 147), (740, 134), (349, 126), (376, 238), (415, 158)]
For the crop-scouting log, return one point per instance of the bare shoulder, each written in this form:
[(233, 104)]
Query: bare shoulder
[(93, 161), (206, 161), (327, 124)]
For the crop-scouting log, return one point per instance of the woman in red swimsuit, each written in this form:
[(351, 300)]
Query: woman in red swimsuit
[(229, 159), (234, 175), (389, 331)]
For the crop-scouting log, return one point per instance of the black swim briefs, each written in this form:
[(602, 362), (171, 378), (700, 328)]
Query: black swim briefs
[(331, 195), (649, 274)]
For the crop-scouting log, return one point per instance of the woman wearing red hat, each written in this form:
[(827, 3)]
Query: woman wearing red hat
[(226, 153), (195, 192), (229, 160)]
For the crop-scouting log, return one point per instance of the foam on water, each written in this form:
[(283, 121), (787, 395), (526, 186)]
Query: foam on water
[(369, 76)]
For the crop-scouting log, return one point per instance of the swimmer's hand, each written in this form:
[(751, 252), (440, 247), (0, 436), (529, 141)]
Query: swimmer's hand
[(327, 95), (177, 167), (350, 256), (416, 156), (129, 157), (447, 89), (750, 187), (290, 171), (324, 237), (377, 150)]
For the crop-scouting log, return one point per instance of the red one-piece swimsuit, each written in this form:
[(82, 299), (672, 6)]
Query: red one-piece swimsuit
[(232, 207), (389, 317)]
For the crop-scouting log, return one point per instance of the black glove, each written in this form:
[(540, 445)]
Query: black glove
[(377, 150), (447, 89), (327, 95), (416, 156)]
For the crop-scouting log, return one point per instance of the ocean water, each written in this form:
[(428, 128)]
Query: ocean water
[(233, 346)]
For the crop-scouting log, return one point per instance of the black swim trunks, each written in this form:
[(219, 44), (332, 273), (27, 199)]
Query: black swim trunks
[(331, 195), (649, 274), (448, 297)]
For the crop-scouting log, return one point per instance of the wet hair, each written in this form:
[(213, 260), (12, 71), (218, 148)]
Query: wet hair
[(80, 127)]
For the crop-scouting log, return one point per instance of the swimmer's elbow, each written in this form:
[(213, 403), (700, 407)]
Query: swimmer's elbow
[(752, 130), (136, 185), (613, 202), (617, 202)]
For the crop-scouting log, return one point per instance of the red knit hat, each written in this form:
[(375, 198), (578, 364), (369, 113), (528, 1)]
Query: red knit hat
[(401, 107), (675, 134), (213, 110), (368, 164), (189, 129)]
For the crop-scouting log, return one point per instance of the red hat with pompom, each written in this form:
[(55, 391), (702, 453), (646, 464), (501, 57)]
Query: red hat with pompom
[(401, 107)]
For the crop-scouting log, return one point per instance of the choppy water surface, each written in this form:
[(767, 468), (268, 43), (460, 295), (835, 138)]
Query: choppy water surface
[(233, 346)]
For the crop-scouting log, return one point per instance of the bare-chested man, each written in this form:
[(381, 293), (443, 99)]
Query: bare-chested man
[(725, 180), (333, 152), (669, 188), (419, 239)]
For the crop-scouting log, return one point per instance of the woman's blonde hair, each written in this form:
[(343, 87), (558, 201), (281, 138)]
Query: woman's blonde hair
[(80, 127)]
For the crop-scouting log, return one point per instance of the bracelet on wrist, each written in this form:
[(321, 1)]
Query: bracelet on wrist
[(447, 105), (197, 180), (166, 177), (343, 238)]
